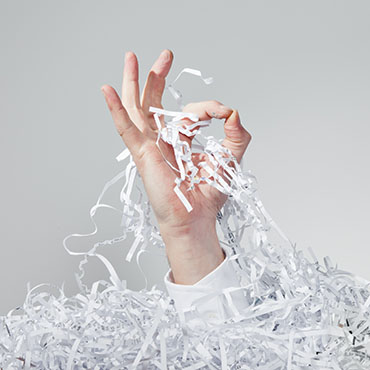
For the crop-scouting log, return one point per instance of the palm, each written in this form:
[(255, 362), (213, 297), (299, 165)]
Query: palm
[(158, 178)]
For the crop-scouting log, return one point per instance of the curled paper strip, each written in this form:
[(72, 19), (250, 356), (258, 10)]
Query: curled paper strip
[(176, 93), (294, 312)]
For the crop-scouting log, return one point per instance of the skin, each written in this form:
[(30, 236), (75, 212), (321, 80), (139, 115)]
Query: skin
[(192, 245)]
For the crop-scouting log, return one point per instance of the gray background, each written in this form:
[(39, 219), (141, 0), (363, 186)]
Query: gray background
[(298, 71)]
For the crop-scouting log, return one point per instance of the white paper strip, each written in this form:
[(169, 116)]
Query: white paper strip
[(289, 312)]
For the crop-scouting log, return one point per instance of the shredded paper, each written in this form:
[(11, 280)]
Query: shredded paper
[(298, 313)]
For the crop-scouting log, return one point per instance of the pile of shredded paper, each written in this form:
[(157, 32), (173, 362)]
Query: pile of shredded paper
[(298, 313)]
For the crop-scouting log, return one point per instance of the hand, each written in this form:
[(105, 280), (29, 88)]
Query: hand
[(191, 240)]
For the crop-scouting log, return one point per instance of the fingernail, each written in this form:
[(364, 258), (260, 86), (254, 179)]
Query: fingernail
[(166, 54), (127, 54)]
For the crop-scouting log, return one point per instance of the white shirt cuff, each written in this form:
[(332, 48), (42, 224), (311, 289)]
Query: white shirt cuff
[(214, 307)]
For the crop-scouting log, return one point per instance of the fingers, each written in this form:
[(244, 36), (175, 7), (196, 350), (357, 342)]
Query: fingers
[(237, 137), (130, 134), (208, 109), (205, 110), (130, 82), (155, 83)]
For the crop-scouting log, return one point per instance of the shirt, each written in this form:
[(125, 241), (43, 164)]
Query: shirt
[(213, 307)]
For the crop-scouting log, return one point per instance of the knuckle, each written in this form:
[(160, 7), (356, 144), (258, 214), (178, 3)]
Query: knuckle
[(214, 102), (239, 136), (119, 109), (116, 109), (247, 135), (246, 138), (202, 105), (122, 131)]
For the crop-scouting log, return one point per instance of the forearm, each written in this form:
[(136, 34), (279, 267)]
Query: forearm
[(192, 253), (201, 268)]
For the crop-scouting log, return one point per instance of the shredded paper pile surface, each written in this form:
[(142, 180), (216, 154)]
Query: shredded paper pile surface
[(298, 314)]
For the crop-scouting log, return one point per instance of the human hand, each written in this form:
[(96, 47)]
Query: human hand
[(191, 240)]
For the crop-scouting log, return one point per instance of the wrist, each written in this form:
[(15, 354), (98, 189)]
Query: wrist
[(192, 251)]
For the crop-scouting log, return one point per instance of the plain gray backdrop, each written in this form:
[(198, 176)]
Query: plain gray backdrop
[(298, 72)]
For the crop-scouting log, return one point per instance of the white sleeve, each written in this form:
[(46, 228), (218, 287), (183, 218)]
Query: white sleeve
[(223, 276)]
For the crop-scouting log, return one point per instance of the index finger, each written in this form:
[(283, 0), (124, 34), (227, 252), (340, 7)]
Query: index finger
[(237, 137)]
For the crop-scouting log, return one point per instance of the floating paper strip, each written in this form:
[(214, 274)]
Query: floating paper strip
[(176, 93)]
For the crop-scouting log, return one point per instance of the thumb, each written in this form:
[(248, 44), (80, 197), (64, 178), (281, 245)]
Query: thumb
[(237, 137)]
